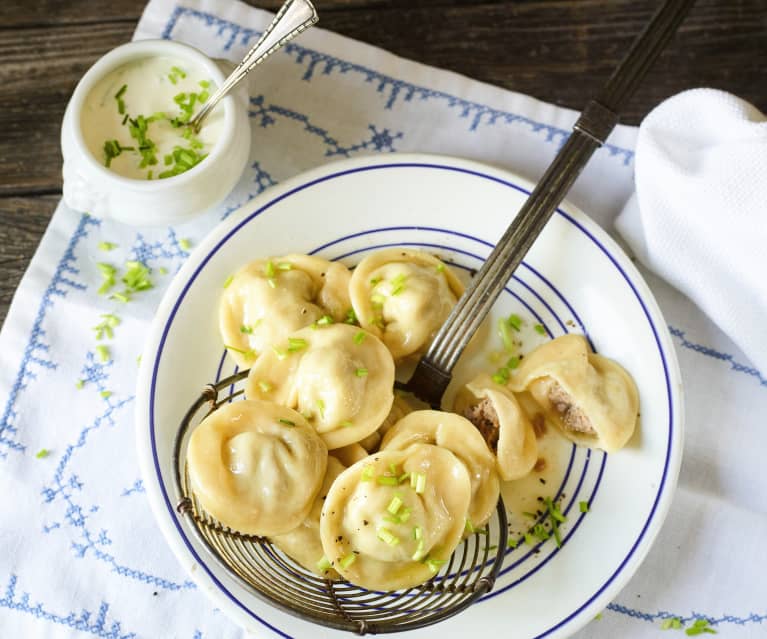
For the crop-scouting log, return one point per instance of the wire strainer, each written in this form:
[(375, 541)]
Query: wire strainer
[(263, 570)]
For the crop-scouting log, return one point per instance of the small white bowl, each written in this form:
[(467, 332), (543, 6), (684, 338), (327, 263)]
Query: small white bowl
[(90, 186)]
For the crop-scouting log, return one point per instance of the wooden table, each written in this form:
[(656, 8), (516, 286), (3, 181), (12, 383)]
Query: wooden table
[(556, 50)]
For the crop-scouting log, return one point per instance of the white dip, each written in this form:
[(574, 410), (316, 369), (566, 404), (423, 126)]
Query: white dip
[(132, 120)]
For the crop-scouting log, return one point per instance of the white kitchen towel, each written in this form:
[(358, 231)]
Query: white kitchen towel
[(80, 555), (699, 215)]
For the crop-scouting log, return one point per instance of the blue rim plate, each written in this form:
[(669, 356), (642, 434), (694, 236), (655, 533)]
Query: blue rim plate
[(575, 278)]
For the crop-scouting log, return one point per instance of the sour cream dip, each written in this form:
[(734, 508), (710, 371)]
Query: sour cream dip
[(133, 119)]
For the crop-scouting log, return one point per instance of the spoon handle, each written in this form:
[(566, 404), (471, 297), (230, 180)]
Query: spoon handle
[(293, 17)]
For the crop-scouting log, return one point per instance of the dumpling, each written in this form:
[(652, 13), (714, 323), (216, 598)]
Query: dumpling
[(393, 519), (338, 376), (458, 435), (350, 454), (256, 466), (403, 296), (591, 399), (498, 416), (399, 408), (267, 300), (303, 544)]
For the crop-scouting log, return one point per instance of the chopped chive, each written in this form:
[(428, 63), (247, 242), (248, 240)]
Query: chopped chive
[(228, 281), (348, 560), (323, 565), (361, 372), (375, 280), (162, 270), (554, 511), (178, 71), (119, 97), (417, 533), (271, 282), (296, 344), (512, 363), (106, 269), (505, 335), (584, 506), (398, 284), (264, 386), (359, 337), (184, 244), (269, 269), (403, 477), (43, 452), (440, 267), (469, 527), (284, 266), (539, 329), (377, 300), (387, 536), (287, 422), (557, 536), (501, 376), (598, 616), (420, 484), (529, 539), (248, 330), (121, 297), (347, 424), (699, 627), (103, 353), (540, 532), (435, 564), (325, 320), (367, 473), (280, 354), (79, 384), (321, 408), (672, 623), (204, 84), (106, 394), (107, 246), (395, 504), (512, 543), (515, 321), (392, 519), (404, 515), (385, 480), (351, 317), (420, 551), (530, 515), (393, 469)]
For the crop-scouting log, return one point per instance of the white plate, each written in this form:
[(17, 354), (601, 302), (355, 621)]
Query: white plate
[(574, 278)]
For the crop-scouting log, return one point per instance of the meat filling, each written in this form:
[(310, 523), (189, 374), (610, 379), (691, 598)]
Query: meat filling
[(484, 417), (572, 416)]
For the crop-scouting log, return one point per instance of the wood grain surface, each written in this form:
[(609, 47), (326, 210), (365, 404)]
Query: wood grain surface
[(559, 51)]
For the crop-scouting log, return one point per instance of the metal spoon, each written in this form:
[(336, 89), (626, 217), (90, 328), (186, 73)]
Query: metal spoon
[(293, 17)]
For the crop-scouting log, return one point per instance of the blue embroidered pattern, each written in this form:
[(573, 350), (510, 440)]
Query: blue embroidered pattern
[(475, 113), (710, 352), (686, 619), (36, 352), (85, 620), (382, 141), (138, 487)]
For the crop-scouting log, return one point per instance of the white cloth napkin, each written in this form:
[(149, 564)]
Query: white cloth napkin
[(80, 555), (699, 215)]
